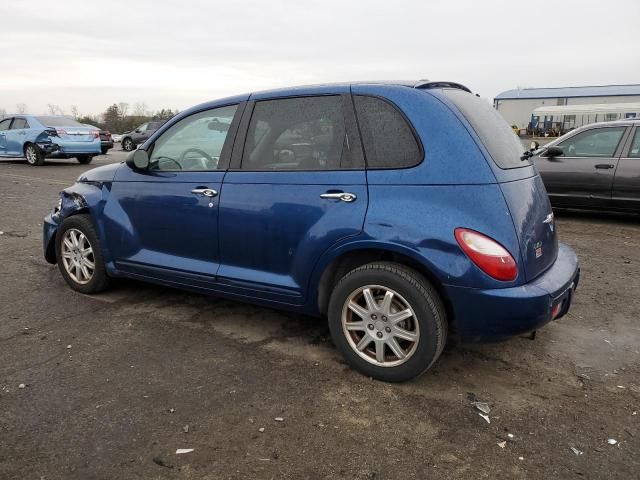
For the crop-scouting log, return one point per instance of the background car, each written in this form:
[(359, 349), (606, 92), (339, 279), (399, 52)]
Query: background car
[(38, 137), (268, 198), (106, 140), (131, 140), (116, 137), (595, 167)]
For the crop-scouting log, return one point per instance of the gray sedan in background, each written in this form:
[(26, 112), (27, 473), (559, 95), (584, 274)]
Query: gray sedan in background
[(595, 167)]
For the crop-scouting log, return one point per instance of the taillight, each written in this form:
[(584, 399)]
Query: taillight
[(61, 131), (491, 257), (108, 133), (51, 132), (96, 133)]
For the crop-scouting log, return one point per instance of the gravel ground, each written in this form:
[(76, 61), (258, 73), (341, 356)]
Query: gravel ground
[(115, 383)]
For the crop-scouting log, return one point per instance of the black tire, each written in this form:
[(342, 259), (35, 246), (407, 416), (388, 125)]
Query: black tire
[(104, 150), (99, 280), (34, 156), (84, 159), (425, 301), (127, 144)]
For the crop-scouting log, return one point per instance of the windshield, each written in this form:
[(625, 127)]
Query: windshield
[(495, 133), (59, 122)]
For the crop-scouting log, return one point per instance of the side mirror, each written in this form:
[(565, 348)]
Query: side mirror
[(137, 130), (534, 146), (138, 159), (554, 152)]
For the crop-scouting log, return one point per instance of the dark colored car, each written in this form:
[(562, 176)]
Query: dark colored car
[(402, 212), (106, 141), (595, 167), (130, 140)]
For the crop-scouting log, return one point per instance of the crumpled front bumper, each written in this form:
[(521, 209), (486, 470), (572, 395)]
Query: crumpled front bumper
[(49, 229), (496, 314)]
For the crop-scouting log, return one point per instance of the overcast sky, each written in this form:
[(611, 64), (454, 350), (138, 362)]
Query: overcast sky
[(175, 54)]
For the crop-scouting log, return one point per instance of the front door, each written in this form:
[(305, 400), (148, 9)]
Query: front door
[(297, 187), (583, 175), (162, 222), (626, 184)]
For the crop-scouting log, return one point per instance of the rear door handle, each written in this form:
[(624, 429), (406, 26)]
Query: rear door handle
[(344, 196), (604, 166), (205, 192)]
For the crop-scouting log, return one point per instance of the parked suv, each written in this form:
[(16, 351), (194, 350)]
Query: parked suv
[(131, 140), (402, 212)]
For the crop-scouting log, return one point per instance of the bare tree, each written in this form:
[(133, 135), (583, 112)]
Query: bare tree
[(75, 112), (21, 108), (52, 108), (123, 108), (3, 113), (140, 109)]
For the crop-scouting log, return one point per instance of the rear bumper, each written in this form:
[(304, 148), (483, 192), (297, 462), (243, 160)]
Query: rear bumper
[(496, 314), (63, 149)]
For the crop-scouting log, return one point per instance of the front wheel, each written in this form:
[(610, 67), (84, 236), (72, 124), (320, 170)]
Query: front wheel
[(33, 155), (388, 321), (84, 159), (79, 255), (127, 144)]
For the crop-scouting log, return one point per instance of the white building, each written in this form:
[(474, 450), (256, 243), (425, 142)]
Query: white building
[(516, 106)]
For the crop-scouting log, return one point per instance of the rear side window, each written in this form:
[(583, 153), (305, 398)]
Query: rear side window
[(305, 133), (495, 133), (388, 139), (19, 123)]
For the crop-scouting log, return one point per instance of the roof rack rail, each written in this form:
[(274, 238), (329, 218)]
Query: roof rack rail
[(439, 84)]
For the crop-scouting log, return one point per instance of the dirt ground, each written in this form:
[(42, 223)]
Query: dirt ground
[(111, 382)]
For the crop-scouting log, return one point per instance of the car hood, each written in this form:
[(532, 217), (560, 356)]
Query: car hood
[(100, 174)]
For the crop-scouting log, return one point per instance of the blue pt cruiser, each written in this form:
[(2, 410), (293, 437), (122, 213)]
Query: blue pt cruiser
[(402, 212)]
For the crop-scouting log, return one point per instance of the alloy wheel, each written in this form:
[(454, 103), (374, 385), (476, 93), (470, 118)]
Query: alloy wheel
[(31, 154), (380, 325), (77, 256), (128, 145)]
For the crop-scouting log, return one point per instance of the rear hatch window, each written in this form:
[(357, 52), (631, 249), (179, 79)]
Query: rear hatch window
[(495, 133)]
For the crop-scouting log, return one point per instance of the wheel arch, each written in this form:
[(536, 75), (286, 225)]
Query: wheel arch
[(335, 265)]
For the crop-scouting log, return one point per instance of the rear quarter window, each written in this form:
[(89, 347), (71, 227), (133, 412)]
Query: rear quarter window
[(388, 139), (494, 132)]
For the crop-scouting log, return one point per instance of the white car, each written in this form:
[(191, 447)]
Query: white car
[(116, 137)]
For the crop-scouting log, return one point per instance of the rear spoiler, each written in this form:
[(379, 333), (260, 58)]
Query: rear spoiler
[(425, 85)]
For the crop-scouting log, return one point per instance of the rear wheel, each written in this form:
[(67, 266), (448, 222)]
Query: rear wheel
[(388, 321), (104, 150), (127, 144), (84, 159), (79, 255), (33, 155)]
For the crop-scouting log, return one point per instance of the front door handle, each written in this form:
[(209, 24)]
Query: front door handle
[(344, 196), (604, 166), (205, 192)]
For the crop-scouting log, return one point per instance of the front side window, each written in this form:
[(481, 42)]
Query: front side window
[(4, 124), (305, 133), (19, 123), (194, 143), (634, 151), (598, 142), (388, 139)]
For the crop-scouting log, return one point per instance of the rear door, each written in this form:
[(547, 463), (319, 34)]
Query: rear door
[(626, 183), (15, 136), (4, 127), (297, 186), (583, 175)]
